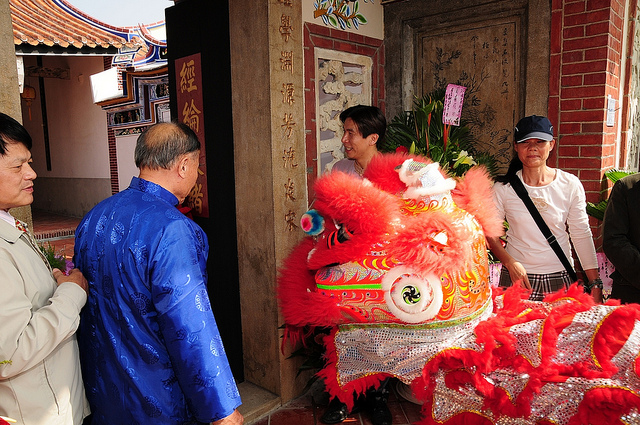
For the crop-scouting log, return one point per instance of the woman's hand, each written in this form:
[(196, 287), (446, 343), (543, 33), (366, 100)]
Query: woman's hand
[(518, 274)]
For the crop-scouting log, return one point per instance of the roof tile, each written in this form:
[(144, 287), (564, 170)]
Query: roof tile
[(56, 22)]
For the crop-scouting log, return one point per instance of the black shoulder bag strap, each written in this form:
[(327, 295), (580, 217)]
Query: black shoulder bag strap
[(549, 236)]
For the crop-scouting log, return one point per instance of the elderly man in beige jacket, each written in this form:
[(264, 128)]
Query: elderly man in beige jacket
[(40, 379)]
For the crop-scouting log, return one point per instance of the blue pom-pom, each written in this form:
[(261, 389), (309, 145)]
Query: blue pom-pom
[(312, 223)]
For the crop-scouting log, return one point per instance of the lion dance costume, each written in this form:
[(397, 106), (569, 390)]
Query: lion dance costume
[(396, 265)]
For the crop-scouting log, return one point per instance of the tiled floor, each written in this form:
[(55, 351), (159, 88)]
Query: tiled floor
[(307, 410), (56, 230)]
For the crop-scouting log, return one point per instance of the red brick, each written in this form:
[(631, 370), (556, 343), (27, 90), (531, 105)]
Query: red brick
[(592, 187), (584, 67), (554, 75), (581, 139), (598, 4), (594, 175), (597, 28), (323, 42), (381, 85), (573, 56), (573, 8), (597, 78), (595, 127), (374, 42), (365, 50), (586, 42), (591, 151), (586, 18), (594, 103), (569, 128), (571, 151), (553, 107), (582, 92), (573, 32), (581, 116), (345, 47), (597, 53), (319, 29), (356, 38), (556, 32), (572, 81), (579, 163), (339, 34), (571, 105)]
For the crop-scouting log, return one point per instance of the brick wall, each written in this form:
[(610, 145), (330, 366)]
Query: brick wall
[(330, 38), (586, 51)]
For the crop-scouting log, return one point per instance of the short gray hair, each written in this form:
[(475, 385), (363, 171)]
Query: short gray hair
[(161, 144)]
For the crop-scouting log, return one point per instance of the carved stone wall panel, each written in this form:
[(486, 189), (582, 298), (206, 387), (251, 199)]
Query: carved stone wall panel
[(342, 80), (483, 58), (498, 49)]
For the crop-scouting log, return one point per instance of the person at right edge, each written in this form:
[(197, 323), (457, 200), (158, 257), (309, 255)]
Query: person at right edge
[(528, 259), (621, 238)]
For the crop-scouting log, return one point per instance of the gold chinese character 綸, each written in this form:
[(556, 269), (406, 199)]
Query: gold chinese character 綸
[(194, 199), (191, 116)]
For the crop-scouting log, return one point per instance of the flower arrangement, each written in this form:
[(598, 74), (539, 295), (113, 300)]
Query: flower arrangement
[(421, 131), (55, 260)]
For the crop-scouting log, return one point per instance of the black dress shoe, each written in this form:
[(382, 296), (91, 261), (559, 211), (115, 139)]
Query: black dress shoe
[(380, 413), (336, 412)]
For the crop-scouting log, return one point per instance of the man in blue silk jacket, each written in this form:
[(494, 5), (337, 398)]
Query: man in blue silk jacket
[(150, 348)]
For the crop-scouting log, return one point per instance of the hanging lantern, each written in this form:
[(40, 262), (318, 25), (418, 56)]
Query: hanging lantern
[(28, 94)]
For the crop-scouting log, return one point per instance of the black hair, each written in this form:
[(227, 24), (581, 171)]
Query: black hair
[(11, 131), (369, 119), (514, 166)]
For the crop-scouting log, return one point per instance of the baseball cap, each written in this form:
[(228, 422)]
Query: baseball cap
[(533, 127)]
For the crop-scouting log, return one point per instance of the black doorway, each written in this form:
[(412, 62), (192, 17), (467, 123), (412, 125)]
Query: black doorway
[(202, 26)]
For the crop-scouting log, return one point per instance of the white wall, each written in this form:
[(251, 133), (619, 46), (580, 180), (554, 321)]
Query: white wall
[(77, 130), (125, 148)]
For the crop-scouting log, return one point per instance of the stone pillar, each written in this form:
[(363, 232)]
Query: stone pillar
[(268, 125), (9, 90)]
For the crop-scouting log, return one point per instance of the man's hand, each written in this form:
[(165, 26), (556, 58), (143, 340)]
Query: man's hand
[(233, 419), (74, 276)]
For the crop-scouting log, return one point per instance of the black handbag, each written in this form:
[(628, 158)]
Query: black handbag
[(549, 236)]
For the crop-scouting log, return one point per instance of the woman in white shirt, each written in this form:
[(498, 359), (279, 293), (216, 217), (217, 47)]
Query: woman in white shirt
[(528, 259)]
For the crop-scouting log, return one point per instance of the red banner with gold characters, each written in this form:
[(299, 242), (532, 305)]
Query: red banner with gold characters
[(190, 112)]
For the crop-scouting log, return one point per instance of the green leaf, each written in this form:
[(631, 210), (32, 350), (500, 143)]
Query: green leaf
[(361, 18), (615, 175), (597, 210)]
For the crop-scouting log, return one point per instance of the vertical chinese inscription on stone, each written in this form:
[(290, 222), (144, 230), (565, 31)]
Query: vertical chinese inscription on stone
[(190, 112), (483, 60), (284, 73)]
